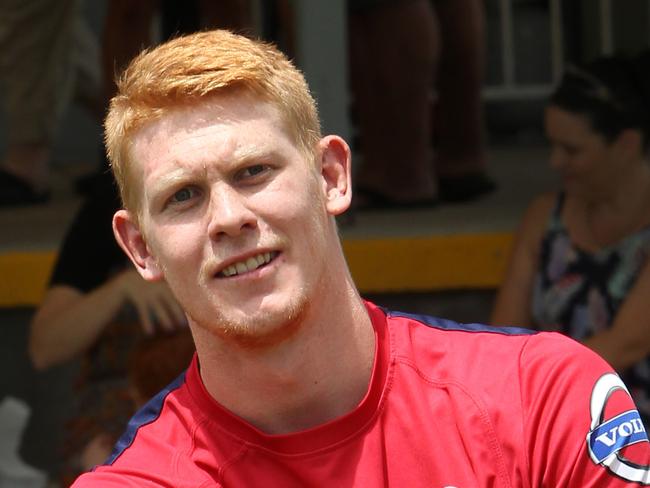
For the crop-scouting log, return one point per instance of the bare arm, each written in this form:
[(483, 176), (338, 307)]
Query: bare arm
[(513, 302), (68, 322), (627, 341)]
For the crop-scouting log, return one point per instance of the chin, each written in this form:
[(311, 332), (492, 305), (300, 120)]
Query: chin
[(259, 328)]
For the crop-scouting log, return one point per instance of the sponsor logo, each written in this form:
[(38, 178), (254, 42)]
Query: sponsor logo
[(609, 436)]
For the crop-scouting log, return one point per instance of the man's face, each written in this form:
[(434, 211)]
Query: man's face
[(234, 217)]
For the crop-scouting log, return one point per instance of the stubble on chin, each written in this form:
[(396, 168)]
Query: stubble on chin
[(259, 331)]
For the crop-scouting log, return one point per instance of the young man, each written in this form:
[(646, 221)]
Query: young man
[(230, 194)]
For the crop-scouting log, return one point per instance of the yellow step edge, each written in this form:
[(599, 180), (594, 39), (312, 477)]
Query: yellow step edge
[(441, 262), (24, 276)]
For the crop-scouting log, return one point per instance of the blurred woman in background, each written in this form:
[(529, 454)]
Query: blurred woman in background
[(580, 259)]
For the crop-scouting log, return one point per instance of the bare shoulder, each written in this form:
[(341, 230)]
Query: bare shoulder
[(534, 221), (541, 206)]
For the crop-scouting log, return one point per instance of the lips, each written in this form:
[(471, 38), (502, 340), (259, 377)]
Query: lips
[(247, 265)]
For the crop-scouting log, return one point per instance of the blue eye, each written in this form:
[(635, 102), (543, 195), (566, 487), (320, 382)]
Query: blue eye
[(183, 195), (254, 170)]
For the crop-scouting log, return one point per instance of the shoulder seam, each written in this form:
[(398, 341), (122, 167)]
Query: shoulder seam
[(127, 442), (450, 325)]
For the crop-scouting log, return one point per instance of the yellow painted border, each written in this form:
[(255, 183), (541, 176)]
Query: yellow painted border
[(24, 276), (378, 265), (429, 263)]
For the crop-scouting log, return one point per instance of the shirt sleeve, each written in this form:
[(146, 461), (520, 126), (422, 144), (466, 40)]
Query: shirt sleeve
[(581, 426), (89, 252)]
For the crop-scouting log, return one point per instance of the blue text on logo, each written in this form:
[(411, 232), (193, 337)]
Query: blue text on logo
[(615, 434)]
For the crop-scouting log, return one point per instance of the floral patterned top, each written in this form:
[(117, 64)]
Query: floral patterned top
[(579, 292)]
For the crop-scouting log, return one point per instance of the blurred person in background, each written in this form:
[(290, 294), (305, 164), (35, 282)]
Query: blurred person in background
[(100, 310), (416, 70), (580, 263), (48, 57)]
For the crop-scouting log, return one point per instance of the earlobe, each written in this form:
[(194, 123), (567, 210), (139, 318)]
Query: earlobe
[(336, 174), (133, 243)]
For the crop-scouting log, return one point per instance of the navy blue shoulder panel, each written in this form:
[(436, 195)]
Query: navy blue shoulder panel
[(447, 324), (146, 415)]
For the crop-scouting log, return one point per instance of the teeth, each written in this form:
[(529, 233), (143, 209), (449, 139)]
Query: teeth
[(250, 264)]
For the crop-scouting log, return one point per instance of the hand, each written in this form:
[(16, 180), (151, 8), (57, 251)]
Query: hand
[(154, 302), (96, 451)]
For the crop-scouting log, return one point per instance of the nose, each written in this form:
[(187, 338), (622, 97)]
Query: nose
[(230, 214)]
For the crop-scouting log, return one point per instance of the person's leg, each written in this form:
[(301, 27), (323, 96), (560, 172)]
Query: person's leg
[(36, 50), (235, 15), (127, 30), (393, 51), (458, 116), (87, 66)]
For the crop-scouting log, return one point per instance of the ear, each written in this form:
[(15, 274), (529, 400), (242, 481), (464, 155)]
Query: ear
[(335, 167), (132, 241)]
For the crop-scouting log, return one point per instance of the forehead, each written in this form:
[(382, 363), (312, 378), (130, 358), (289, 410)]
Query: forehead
[(219, 124), (564, 123)]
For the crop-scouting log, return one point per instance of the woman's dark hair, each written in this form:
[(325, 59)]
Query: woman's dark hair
[(613, 93)]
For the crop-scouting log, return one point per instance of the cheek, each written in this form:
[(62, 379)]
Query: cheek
[(594, 164), (293, 199), (301, 220), (582, 162), (180, 246)]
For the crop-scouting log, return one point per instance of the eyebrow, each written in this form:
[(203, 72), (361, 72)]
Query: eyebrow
[(247, 155), (155, 192), (172, 178), (180, 173)]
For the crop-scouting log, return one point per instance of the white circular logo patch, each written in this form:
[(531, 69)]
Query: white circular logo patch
[(608, 437)]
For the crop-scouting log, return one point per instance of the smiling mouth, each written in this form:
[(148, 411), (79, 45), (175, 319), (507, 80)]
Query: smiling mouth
[(248, 265)]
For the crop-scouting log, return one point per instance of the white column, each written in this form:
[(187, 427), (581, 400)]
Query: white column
[(606, 27), (322, 54), (557, 40), (507, 43)]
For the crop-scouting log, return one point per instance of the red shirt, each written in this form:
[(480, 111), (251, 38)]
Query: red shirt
[(448, 405)]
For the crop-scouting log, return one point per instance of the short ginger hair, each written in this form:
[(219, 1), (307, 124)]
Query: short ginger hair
[(186, 69)]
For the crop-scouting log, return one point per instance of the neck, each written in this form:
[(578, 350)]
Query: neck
[(628, 193), (618, 212), (318, 374)]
